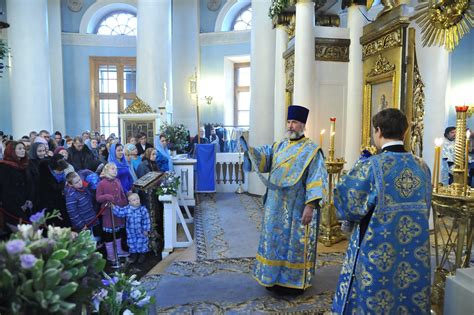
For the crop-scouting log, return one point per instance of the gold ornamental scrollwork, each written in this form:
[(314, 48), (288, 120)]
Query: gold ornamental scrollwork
[(393, 39), (417, 127), (382, 65), (332, 49), (138, 107), (290, 72)]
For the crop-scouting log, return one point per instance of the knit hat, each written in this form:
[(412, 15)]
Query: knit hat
[(59, 149)]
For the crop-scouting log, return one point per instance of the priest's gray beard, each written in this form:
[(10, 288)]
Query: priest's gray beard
[(292, 135)]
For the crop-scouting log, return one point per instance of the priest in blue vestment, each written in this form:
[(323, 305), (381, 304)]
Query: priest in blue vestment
[(387, 196), (297, 182)]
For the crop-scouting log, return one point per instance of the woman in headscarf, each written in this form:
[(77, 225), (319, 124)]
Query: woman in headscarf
[(51, 188), (63, 151), (103, 153), (148, 163), (131, 155), (16, 194), (92, 145), (36, 154), (163, 158), (117, 157)]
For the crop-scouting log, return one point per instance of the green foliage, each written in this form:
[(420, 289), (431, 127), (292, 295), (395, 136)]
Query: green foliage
[(169, 184), (120, 294), (4, 52), (177, 135), (278, 6), (53, 274)]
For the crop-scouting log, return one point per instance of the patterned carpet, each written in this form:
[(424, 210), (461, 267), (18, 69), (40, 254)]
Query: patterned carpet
[(220, 280)]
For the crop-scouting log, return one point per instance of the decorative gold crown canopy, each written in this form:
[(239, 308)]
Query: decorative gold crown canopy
[(138, 107), (444, 22)]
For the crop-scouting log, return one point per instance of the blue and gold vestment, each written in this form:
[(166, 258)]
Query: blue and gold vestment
[(286, 254), (387, 264)]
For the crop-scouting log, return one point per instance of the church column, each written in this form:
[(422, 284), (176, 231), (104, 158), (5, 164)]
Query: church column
[(56, 53), (433, 63), (304, 60), (352, 138), (262, 58), (281, 44), (30, 66), (153, 51)]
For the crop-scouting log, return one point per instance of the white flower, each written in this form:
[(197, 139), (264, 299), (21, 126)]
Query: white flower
[(25, 230), (127, 312), (144, 301), (118, 297), (135, 294)]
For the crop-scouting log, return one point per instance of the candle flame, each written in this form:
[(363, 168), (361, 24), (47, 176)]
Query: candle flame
[(333, 133), (438, 142), (323, 131)]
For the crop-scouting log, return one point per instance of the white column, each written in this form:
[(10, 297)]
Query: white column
[(262, 58), (281, 44), (153, 51), (56, 54), (304, 61), (30, 69), (433, 63), (185, 60), (352, 139)]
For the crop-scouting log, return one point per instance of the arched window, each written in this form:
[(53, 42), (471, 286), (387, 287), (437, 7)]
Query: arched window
[(118, 23), (243, 21)]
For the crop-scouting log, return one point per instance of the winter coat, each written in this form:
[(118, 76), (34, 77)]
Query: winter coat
[(83, 159), (111, 191), (80, 207)]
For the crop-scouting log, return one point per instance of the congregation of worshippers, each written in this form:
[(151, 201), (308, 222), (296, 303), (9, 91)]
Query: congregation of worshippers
[(82, 176)]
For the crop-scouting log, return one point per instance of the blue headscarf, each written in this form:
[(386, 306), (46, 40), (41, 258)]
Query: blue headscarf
[(163, 154), (122, 163), (123, 170)]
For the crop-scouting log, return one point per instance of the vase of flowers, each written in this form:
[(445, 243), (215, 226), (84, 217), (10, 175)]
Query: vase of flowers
[(48, 273), (177, 136), (169, 184)]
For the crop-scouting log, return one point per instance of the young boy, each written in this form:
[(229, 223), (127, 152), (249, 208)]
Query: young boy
[(79, 205), (387, 196), (138, 227)]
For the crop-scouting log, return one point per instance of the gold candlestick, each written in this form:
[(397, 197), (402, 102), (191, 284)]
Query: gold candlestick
[(466, 165), (330, 227), (453, 215)]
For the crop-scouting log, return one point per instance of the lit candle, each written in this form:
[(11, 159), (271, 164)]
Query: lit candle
[(438, 143), (321, 137)]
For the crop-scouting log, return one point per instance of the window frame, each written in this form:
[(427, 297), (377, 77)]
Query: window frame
[(238, 89), (96, 96), (237, 16)]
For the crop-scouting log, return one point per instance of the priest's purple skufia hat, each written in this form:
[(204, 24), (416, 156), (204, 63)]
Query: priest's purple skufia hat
[(299, 113)]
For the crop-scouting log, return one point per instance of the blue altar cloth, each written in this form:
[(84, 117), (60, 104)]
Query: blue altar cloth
[(205, 168)]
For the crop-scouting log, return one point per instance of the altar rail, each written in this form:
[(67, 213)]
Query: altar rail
[(229, 172)]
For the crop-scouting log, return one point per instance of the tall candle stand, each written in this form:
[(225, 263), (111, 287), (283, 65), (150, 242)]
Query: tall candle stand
[(239, 173), (453, 215), (330, 228)]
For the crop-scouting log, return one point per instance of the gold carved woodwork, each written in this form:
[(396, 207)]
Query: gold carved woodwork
[(332, 49), (444, 22), (392, 39), (138, 106), (382, 65), (391, 79)]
